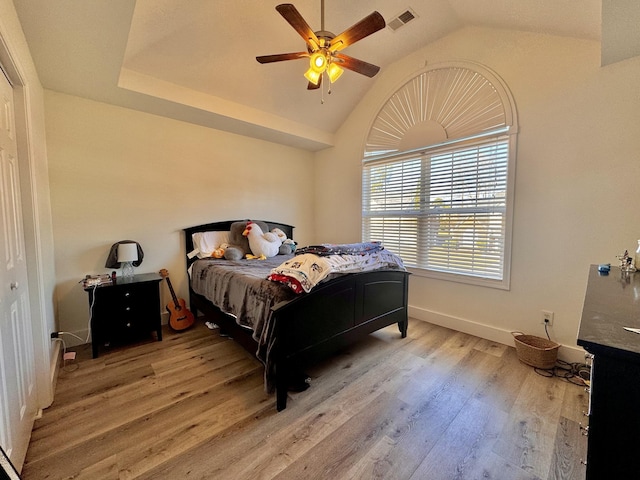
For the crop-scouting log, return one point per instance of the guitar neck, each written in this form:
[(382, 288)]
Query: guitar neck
[(173, 294)]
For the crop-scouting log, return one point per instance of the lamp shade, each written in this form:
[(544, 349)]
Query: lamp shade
[(312, 76), (334, 72), (127, 252)]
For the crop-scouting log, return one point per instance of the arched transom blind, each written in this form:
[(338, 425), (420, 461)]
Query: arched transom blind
[(436, 182), (436, 106)]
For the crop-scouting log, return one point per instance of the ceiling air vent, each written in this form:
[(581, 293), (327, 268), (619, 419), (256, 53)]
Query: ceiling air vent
[(402, 19)]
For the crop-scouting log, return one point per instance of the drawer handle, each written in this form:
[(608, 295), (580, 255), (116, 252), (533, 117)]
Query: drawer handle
[(127, 294)]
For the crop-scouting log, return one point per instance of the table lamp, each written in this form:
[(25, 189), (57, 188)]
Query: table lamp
[(127, 254)]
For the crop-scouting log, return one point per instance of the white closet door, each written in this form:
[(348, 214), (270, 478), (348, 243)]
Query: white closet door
[(17, 366)]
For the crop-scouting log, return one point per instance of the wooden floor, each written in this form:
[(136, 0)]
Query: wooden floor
[(437, 405)]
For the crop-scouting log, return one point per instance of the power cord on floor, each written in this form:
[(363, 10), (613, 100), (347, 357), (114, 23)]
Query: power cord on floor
[(71, 367), (576, 373), (93, 301)]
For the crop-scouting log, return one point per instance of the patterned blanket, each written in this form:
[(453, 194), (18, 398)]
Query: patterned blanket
[(341, 248), (303, 272)]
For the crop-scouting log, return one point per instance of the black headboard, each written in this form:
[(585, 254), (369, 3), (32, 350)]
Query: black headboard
[(225, 226)]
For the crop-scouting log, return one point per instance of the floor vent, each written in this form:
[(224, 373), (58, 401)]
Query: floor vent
[(402, 19)]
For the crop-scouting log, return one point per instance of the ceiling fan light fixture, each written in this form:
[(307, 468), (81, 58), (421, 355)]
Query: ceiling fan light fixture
[(334, 72), (318, 61), (322, 47), (313, 76), (317, 65)]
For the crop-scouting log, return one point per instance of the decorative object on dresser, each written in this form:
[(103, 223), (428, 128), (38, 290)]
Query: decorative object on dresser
[(124, 311), (127, 254), (180, 318), (613, 434), (288, 330)]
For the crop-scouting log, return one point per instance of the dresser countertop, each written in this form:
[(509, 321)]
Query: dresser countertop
[(611, 303)]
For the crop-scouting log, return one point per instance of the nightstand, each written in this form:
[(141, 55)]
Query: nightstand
[(125, 311)]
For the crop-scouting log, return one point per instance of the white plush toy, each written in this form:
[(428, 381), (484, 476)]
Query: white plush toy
[(281, 235), (267, 244), (288, 246)]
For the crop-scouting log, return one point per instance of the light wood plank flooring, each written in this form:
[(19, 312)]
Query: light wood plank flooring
[(439, 404)]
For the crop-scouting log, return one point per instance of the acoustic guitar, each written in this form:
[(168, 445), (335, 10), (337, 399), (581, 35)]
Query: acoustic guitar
[(180, 318)]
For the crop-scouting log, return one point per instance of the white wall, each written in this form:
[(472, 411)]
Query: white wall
[(121, 174), (577, 201)]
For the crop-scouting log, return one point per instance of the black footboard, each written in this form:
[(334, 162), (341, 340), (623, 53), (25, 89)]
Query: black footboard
[(333, 316)]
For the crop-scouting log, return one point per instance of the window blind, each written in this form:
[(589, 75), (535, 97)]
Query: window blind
[(441, 209)]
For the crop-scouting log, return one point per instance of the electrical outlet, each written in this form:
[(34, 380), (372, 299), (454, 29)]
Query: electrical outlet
[(546, 317)]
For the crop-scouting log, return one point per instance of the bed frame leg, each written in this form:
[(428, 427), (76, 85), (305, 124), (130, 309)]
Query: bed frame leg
[(402, 326), (281, 398), (282, 375)]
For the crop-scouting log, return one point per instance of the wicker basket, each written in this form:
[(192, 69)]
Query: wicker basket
[(536, 351)]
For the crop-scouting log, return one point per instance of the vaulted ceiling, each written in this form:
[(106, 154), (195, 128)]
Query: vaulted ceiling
[(195, 60)]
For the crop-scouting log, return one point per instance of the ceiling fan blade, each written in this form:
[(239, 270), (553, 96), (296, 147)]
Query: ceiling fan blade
[(281, 57), (365, 27), (291, 15), (356, 65), (313, 86)]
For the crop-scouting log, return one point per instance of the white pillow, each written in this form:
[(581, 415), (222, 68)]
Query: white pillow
[(206, 242)]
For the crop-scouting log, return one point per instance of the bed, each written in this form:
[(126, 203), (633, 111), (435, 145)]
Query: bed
[(301, 328)]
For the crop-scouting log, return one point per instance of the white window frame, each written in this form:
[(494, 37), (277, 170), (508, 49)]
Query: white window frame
[(417, 238)]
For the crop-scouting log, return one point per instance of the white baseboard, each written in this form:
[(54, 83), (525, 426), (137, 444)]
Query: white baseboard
[(568, 353)]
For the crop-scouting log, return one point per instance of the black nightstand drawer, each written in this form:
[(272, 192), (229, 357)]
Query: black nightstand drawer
[(125, 311)]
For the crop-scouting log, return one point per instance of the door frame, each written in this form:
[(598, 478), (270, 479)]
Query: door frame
[(41, 309)]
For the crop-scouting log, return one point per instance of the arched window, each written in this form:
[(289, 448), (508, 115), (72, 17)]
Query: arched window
[(438, 174)]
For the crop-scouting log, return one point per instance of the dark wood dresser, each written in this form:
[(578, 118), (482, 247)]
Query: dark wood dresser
[(611, 303), (125, 311)]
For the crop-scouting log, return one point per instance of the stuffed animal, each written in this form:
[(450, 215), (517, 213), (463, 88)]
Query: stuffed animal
[(288, 246), (261, 243), (280, 234), (238, 244), (233, 253), (218, 252)]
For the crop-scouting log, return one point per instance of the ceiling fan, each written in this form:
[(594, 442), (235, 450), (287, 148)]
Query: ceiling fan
[(323, 47)]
